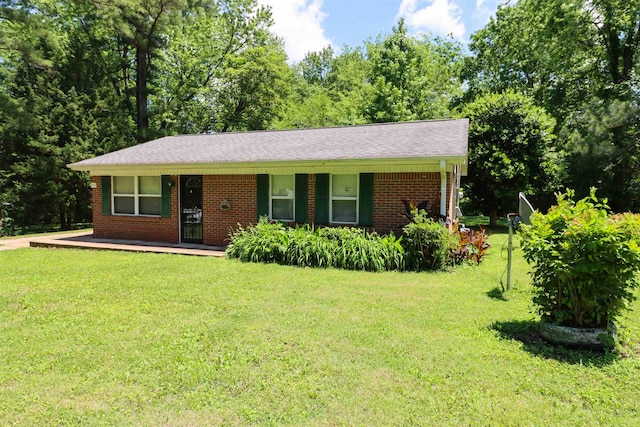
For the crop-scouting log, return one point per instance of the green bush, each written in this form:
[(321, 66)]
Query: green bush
[(629, 224), (584, 261), (306, 246), (427, 244)]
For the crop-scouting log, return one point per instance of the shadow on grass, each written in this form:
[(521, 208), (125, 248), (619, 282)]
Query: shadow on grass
[(497, 293), (526, 331)]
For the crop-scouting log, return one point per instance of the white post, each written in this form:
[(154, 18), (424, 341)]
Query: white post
[(443, 188)]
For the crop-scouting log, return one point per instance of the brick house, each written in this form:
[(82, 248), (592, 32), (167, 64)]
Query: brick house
[(196, 188)]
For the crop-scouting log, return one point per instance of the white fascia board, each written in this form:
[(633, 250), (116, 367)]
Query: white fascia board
[(285, 167)]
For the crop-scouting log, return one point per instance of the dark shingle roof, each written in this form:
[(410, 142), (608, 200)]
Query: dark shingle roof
[(423, 139)]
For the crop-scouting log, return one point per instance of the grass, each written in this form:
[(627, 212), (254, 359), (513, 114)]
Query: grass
[(115, 338)]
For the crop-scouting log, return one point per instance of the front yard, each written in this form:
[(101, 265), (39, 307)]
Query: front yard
[(108, 338)]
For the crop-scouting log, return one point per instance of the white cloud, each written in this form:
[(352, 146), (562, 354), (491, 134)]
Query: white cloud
[(485, 9), (299, 23), (442, 17)]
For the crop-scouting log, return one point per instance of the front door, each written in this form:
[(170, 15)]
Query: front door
[(191, 208)]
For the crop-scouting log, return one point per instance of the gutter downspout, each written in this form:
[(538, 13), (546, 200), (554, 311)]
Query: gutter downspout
[(454, 209), (443, 188)]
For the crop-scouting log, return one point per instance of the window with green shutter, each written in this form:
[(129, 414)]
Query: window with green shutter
[(136, 195), (344, 199), (282, 197)]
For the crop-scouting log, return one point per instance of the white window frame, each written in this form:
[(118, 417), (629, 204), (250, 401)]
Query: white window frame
[(136, 196), (356, 199), (287, 197)]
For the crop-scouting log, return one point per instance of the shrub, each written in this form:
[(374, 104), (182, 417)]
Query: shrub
[(584, 261), (629, 224), (427, 244), (306, 246), (264, 242), (471, 245)]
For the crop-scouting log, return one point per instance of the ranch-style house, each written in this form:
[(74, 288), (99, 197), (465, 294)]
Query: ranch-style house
[(196, 188)]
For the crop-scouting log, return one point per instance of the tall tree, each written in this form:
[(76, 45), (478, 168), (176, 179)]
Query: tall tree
[(579, 60), (413, 79), (216, 56), (520, 50), (84, 77), (58, 106), (140, 26), (510, 150), (604, 146), (315, 66), (24, 34), (328, 90)]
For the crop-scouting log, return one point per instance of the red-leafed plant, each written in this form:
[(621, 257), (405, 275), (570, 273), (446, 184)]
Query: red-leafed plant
[(472, 244)]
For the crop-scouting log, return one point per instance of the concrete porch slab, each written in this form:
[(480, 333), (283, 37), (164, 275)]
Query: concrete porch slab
[(87, 241)]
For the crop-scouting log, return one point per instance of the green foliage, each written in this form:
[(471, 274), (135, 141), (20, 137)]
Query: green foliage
[(579, 61), (425, 245), (220, 70), (82, 78), (471, 245), (428, 244), (412, 79), (510, 150), (604, 145), (315, 66), (305, 246), (541, 48), (328, 91), (584, 261), (56, 114)]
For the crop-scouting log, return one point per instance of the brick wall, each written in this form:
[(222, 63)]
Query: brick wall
[(311, 197), (152, 229), (240, 192), (389, 189)]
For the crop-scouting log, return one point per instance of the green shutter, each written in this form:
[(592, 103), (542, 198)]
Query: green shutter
[(262, 195), (301, 198), (365, 200), (166, 196), (106, 195), (322, 198)]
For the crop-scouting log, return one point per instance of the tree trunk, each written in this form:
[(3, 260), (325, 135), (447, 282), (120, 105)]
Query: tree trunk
[(65, 221), (493, 218), (142, 114)]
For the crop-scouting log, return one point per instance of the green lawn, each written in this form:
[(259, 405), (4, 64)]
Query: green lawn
[(113, 338)]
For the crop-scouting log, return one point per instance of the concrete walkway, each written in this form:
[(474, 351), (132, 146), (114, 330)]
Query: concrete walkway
[(23, 242), (85, 240)]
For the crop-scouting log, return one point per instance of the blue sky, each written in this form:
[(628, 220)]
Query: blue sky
[(309, 25)]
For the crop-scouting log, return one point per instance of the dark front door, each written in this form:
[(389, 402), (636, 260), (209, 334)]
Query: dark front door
[(191, 206)]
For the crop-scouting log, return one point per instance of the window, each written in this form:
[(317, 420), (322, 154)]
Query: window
[(282, 197), (140, 195), (344, 199)]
